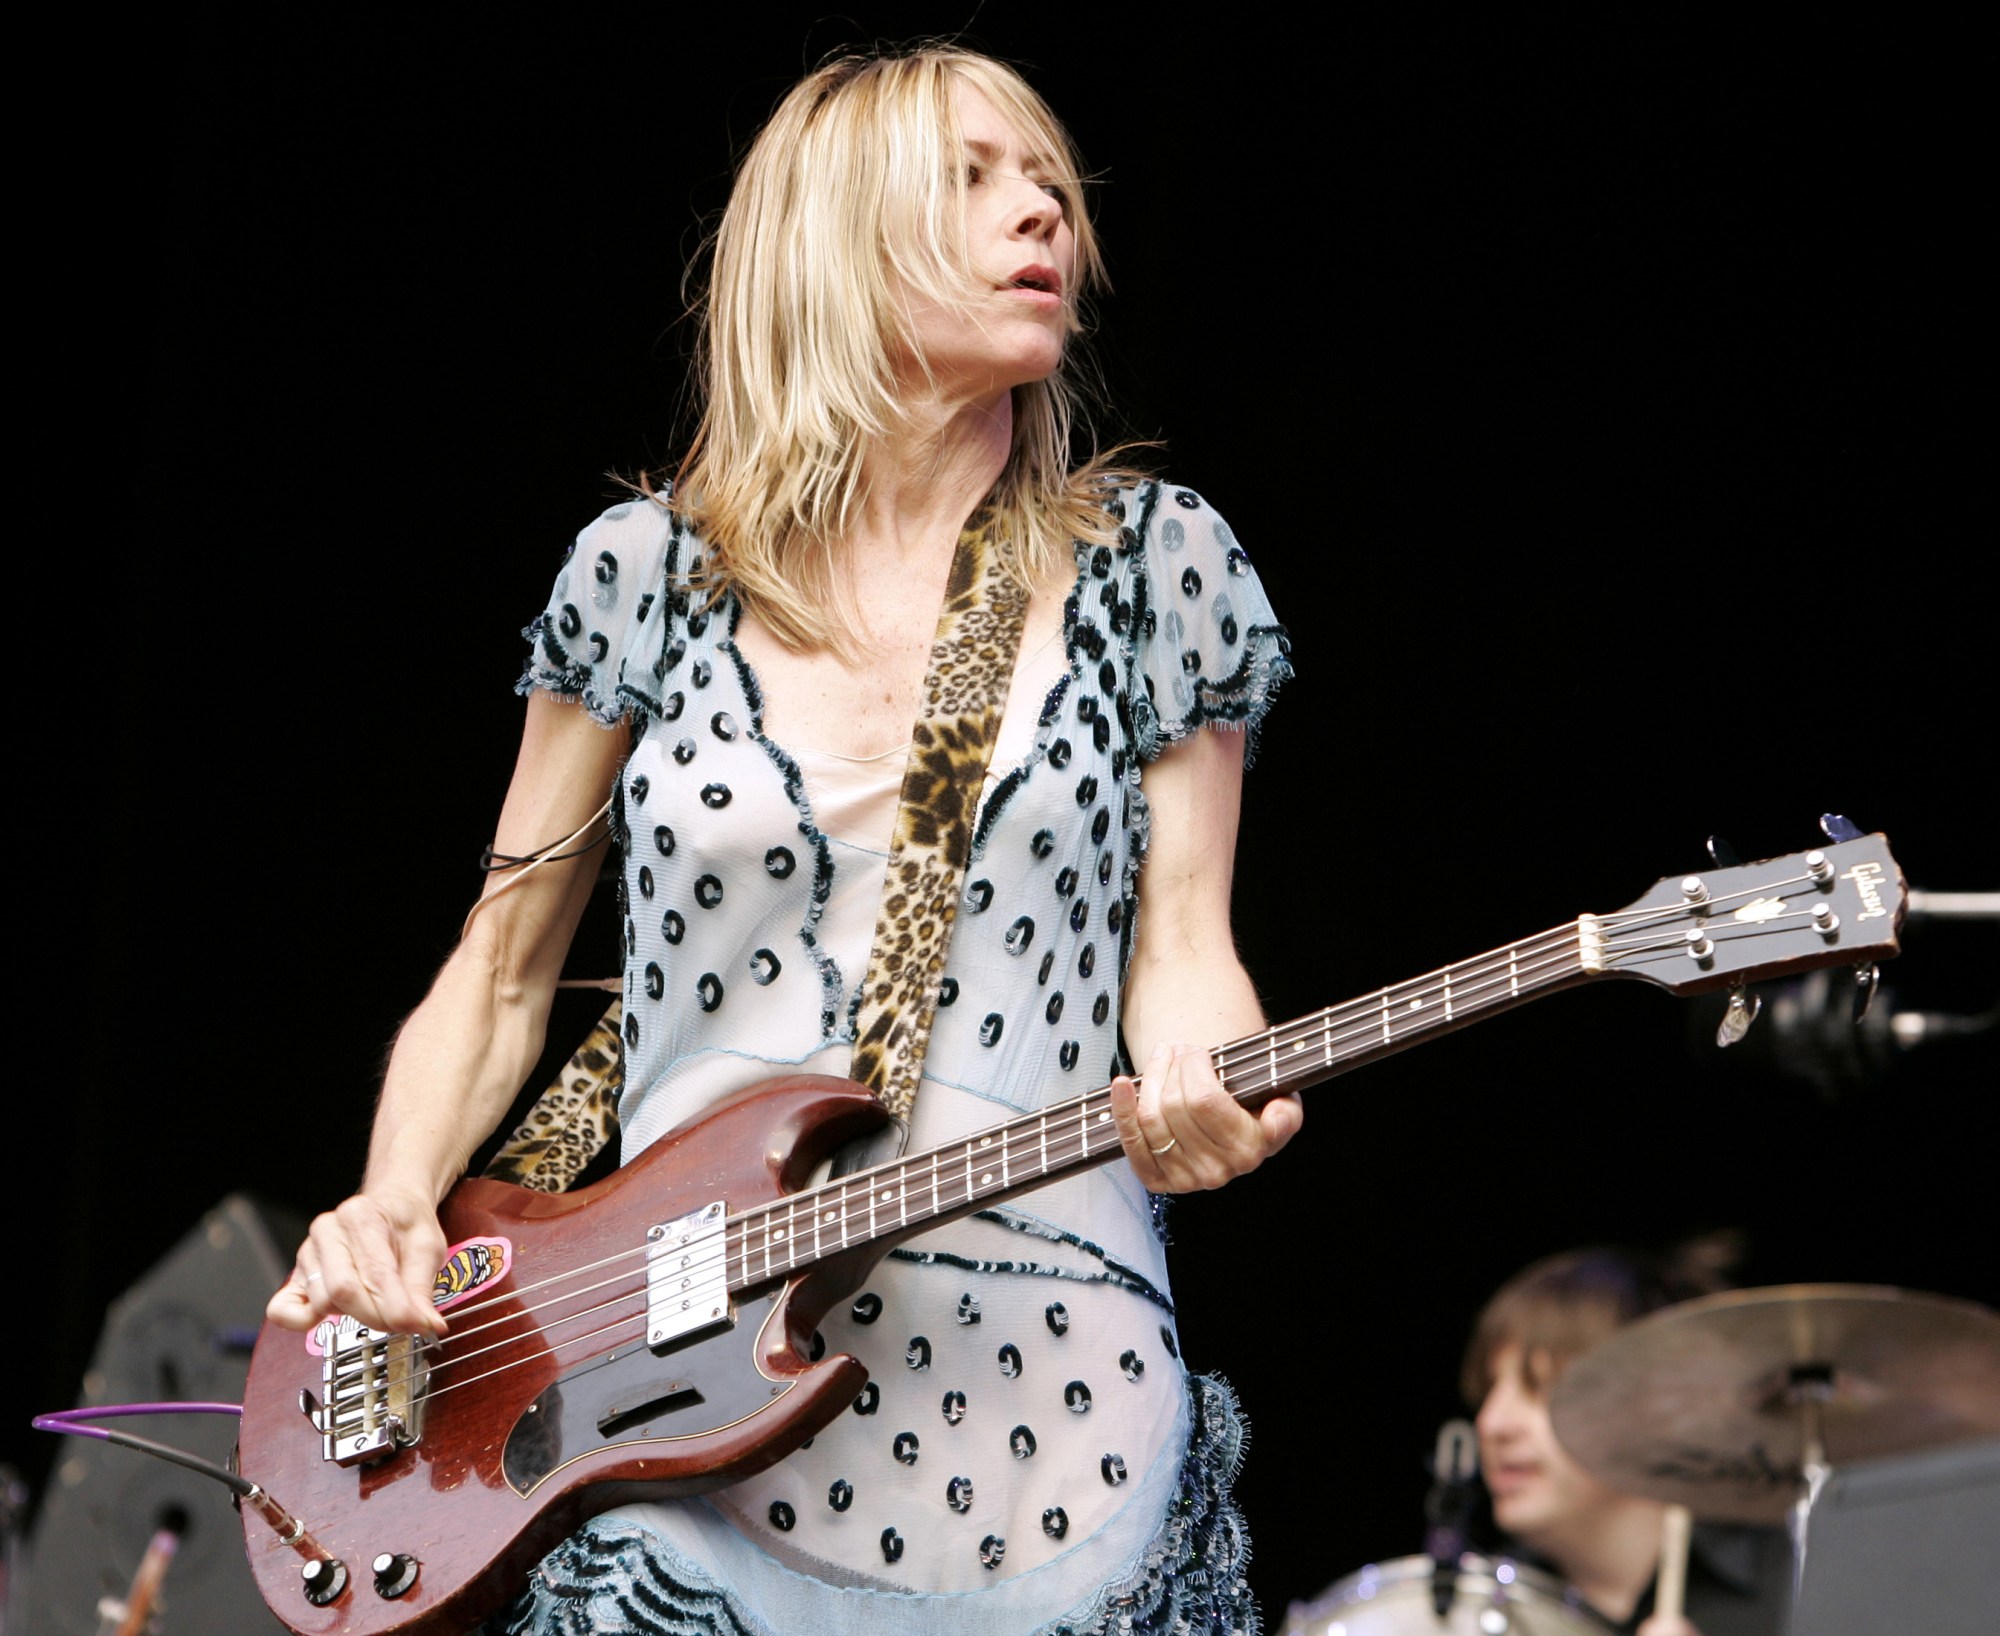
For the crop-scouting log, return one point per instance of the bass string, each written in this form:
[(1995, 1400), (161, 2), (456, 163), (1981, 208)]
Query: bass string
[(1056, 1137), (550, 1343), (734, 1244), (845, 1199), (1034, 1146), (635, 1325), (538, 1310), (473, 1308), (1468, 988), (1012, 1151), (1059, 1136), (851, 1196), (625, 1324), (1353, 1020), (1668, 910), (1358, 1019), (440, 1356)]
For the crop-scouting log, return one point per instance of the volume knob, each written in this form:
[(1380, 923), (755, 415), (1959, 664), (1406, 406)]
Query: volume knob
[(395, 1573), (325, 1578)]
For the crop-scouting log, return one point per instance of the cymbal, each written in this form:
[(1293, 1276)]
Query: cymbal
[(1702, 1404)]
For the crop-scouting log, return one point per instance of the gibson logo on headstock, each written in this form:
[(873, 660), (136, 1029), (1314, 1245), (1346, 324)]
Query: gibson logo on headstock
[(1867, 878)]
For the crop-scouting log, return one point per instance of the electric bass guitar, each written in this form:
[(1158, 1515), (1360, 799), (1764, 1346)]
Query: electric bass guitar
[(653, 1334)]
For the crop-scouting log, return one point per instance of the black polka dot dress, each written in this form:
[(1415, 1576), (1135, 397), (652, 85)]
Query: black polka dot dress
[(1020, 1439)]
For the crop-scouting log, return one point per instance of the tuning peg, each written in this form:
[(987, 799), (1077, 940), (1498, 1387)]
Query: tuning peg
[(1723, 853), (1838, 828), (1736, 1021), (1865, 983)]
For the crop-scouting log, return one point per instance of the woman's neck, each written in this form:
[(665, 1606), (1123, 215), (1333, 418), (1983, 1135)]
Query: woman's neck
[(923, 478)]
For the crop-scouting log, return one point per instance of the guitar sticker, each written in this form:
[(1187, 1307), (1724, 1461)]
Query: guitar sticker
[(470, 1266)]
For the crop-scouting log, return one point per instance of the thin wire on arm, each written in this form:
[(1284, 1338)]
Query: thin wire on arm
[(494, 863)]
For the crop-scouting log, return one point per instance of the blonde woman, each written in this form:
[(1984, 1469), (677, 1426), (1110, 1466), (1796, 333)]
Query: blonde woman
[(896, 285)]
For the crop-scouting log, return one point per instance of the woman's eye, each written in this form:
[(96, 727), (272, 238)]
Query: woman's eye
[(974, 175)]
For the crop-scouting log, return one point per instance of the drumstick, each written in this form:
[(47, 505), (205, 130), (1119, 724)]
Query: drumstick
[(1670, 1588), (135, 1613)]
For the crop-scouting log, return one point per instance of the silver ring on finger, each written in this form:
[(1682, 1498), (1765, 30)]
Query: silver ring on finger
[(1161, 1152)]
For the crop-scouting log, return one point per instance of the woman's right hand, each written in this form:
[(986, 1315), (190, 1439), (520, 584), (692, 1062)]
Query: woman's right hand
[(374, 1257)]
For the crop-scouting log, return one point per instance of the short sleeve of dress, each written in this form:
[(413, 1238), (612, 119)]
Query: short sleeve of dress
[(601, 634), (1207, 647)]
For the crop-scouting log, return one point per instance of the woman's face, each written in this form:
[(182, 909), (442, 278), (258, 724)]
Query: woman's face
[(1011, 326)]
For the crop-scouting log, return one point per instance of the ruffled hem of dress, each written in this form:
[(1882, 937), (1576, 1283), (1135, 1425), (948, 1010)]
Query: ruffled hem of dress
[(1240, 700), (614, 1578), (617, 1579), (552, 669), (1192, 1579)]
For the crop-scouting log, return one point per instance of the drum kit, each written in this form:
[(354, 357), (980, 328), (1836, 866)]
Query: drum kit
[(1738, 1407)]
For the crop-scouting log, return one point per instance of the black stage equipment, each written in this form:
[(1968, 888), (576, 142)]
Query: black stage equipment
[(182, 1333)]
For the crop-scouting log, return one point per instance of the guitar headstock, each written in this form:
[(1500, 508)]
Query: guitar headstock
[(1841, 904)]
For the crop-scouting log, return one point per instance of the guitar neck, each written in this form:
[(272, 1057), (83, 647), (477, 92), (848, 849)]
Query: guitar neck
[(875, 1208)]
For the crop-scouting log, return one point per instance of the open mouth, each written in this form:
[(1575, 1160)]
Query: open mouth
[(1044, 280)]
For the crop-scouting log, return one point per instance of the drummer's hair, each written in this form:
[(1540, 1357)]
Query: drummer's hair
[(1565, 1304)]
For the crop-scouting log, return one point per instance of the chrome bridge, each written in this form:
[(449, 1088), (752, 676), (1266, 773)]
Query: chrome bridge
[(687, 1276), (375, 1384)]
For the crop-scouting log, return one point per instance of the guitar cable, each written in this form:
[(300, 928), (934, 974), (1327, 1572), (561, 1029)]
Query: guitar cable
[(73, 1423), (291, 1531)]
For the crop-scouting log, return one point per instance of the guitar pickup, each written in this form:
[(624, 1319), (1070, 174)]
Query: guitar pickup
[(687, 1276), (375, 1385)]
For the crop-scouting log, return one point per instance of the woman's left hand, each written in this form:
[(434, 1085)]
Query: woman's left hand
[(1184, 1132)]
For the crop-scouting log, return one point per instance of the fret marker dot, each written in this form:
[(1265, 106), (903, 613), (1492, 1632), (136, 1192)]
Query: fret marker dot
[(985, 1141), (1103, 1117), (986, 1180), (778, 1232), (1416, 1005), (888, 1193)]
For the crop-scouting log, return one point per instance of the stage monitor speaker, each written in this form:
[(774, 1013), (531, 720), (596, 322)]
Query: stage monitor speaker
[(182, 1333), (1905, 1545)]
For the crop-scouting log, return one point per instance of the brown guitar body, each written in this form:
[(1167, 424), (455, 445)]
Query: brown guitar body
[(562, 1423)]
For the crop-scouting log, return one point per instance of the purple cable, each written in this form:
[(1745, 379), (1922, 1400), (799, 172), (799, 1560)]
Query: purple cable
[(70, 1421), (63, 1420)]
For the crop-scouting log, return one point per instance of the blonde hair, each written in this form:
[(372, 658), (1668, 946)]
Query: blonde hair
[(853, 192)]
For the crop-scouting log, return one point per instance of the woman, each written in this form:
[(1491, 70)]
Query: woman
[(896, 281)]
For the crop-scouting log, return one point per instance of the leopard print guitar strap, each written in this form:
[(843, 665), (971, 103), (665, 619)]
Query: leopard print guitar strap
[(573, 1120), (965, 695)]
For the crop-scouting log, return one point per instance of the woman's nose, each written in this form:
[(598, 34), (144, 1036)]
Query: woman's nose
[(1040, 212)]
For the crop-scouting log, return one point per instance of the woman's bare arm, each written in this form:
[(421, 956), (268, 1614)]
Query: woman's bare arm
[(465, 1051), (1186, 989)]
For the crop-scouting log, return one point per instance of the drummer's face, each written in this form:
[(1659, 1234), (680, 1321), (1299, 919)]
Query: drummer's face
[(1537, 1489)]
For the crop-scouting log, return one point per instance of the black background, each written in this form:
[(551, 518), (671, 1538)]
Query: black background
[(1605, 405)]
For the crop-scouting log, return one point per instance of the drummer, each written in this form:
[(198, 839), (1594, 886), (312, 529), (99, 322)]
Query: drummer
[(1604, 1543)]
